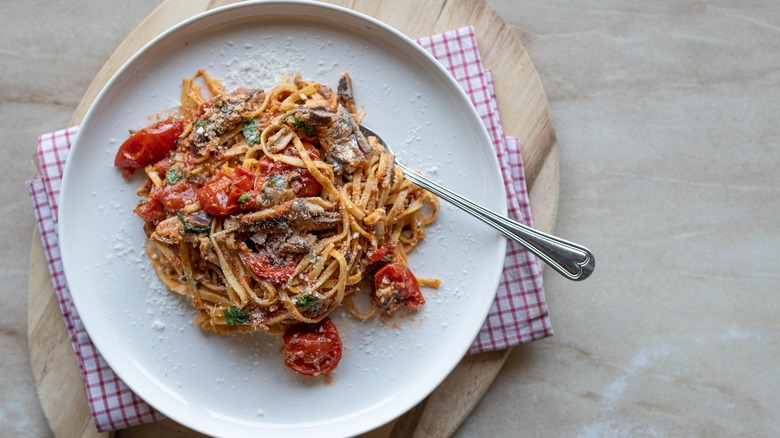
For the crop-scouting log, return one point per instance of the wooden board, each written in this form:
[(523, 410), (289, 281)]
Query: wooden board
[(524, 112)]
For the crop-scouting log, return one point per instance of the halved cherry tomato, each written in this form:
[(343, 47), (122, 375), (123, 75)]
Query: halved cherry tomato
[(383, 252), (261, 265), (300, 180), (312, 349), (170, 198), (162, 166), (395, 285), (149, 145), (220, 195), (174, 197), (306, 184), (151, 211)]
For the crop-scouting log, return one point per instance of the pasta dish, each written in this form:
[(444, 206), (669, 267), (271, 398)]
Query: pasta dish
[(270, 209)]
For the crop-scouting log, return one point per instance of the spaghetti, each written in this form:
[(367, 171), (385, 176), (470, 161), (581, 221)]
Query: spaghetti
[(271, 209)]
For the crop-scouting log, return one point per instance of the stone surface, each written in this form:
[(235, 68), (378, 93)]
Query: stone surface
[(666, 115), (666, 118)]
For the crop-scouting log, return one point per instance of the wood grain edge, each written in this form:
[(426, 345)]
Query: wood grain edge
[(450, 404), (165, 428), (543, 197)]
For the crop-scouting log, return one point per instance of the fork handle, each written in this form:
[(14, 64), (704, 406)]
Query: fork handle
[(571, 260)]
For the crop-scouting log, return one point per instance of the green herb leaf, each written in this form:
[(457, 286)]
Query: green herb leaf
[(243, 198), (200, 123), (276, 181), (236, 316), (172, 176), (309, 129), (251, 132), (305, 301)]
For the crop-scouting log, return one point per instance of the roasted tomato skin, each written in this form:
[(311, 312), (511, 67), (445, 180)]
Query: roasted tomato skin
[(383, 252), (151, 211), (174, 197), (395, 285), (312, 349), (149, 145), (306, 185), (260, 264), (220, 195)]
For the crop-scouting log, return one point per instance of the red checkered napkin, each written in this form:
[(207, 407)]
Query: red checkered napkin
[(518, 315)]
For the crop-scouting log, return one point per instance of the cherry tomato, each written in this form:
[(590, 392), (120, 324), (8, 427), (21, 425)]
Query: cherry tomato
[(312, 349), (151, 211), (306, 184), (149, 145), (395, 285), (162, 166), (220, 196), (300, 180), (383, 252), (174, 197), (261, 265)]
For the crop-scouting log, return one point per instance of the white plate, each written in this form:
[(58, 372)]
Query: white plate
[(237, 385)]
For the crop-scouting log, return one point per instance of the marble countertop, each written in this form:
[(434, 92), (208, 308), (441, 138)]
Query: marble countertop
[(666, 117)]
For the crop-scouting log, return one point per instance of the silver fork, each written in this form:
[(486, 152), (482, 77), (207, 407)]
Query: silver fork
[(571, 260)]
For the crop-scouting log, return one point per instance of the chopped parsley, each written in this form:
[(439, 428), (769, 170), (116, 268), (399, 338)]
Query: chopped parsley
[(236, 316), (251, 132), (305, 301), (172, 176), (308, 128), (200, 123)]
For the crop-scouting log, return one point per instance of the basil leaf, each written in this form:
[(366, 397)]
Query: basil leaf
[(200, 123), (236, 316), (305, 301), (172, 176), (251, 132), (309, 129)]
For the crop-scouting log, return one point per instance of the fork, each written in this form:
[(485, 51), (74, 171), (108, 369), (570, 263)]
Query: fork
[(571, 260)]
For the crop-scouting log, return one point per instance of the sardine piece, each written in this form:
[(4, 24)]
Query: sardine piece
[(207, 250), (297, 243), (260, 316), (294, 242), (298, 214), (344, 92), (319, 117), (227, 114), (345, 146), (169, 231)]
